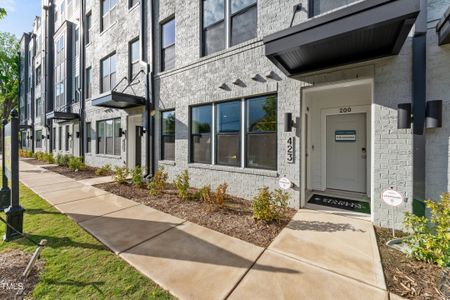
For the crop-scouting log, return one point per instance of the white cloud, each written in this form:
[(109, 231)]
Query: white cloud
[(9, 5)]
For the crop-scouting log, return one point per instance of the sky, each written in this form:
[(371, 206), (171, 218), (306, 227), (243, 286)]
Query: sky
[(21, 14)]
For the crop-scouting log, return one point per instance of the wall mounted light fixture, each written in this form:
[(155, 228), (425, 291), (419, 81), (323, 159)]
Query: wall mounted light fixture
[(77, 134), (288, 122), (122, 132), (433, 114), (404, 118)]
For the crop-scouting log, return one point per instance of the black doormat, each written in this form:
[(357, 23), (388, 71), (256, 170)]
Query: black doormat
[(352, 205)]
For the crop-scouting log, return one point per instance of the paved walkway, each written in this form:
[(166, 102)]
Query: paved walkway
[(317, 256)]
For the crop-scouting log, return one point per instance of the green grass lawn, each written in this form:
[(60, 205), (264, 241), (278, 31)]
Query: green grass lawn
[(77, 266)]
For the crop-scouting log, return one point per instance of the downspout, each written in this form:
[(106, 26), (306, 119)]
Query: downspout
[(149, 90), (82, 77), (32, 100), (419, 90), (48, 68)]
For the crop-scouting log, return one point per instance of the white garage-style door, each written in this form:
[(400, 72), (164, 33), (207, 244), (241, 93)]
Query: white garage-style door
[(346, 150)]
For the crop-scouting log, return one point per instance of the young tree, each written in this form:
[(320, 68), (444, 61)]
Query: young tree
[(2, 13), (9, 73)]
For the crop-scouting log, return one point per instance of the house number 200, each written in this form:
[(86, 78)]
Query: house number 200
[(344, 110)]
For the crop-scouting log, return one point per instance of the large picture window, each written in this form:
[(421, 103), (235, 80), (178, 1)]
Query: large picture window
[(228, 129), (168, 45), (201, 123), (108, 137), (108, 73), (261, 139), (168, 135), (221, 29)]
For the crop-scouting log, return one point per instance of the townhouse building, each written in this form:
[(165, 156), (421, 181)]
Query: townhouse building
[(337, 101)]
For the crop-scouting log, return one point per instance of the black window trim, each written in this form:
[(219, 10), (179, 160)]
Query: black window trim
[(238, 133), (163, 135), (130, 63), (101, 71), (161, 25), (104, 137), (190, 152)]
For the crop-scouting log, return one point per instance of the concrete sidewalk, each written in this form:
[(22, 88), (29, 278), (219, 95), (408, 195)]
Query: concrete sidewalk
[(317, 256)]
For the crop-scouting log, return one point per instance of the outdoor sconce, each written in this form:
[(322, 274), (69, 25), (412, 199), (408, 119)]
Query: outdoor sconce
[(433, 114), (122, 132), (48, 136), (288, 122), (69, 135), (77, 134), (404, 116), (43, 137)]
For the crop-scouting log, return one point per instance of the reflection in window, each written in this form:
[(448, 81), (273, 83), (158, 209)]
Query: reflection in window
[(168, 135), (213, 26), (228, 120), (168, 45), (201, 123), (262, 132), (243, 21), (108, 73)]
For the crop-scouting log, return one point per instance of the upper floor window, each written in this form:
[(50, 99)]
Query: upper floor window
[(38, 75), (168, 135), (88, 82), (227, 23), (88, 27), (60, 73), (107, 10), (133, 49), (108, 73), (63, 10), (168, 45), (132, 3), (318, 7)]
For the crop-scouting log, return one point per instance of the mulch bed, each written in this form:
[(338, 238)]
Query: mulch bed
[(405, 276), (235, 219), (12, 265), (86, 173)]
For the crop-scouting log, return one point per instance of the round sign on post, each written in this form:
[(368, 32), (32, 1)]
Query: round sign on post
[(285, 183), (392, 198)]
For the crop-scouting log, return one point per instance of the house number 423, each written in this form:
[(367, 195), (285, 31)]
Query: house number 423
[(290, 150)]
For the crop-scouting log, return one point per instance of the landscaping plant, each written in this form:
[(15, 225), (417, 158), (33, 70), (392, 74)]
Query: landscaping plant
[(221, 194), (104, 170), (181, 183), (63, 160), (136, 177), (120, 174), (76, 164), (48, 157), (204, 194), (158, 183), (430, 240), (270, 206)]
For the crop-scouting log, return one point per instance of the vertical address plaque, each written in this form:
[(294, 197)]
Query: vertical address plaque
[(290, 150)]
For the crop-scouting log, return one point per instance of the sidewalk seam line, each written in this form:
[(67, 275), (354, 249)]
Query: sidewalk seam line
[(245, 274), (323, 268), (43, 197)]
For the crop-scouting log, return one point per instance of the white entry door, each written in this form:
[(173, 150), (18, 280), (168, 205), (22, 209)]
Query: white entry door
[(346, 152)]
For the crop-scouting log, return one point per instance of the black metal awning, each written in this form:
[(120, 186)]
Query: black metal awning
[(362, 31), (61, 115), (118, 100), (25, 126), (443, 28)]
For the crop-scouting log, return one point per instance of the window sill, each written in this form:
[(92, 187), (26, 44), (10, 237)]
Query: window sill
[(109, 156), (107, 29), (260, 172), (167, 162)]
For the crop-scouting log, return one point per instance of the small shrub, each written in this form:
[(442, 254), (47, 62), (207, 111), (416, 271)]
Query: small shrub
[(430, 240), (28, 154), (158, 183), (182, 185), (48, 157), (63, 160), (120, 174), (205, 195), (75, 164), (270, 206), (221, 194), (104, 170), (136, 177)]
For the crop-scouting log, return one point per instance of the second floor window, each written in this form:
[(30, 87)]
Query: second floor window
[(88, 83), (108, 73), (168, 45), (60, 73), (108, 8), (222, 29), (88, 27), (134, 58), (319, 7)]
